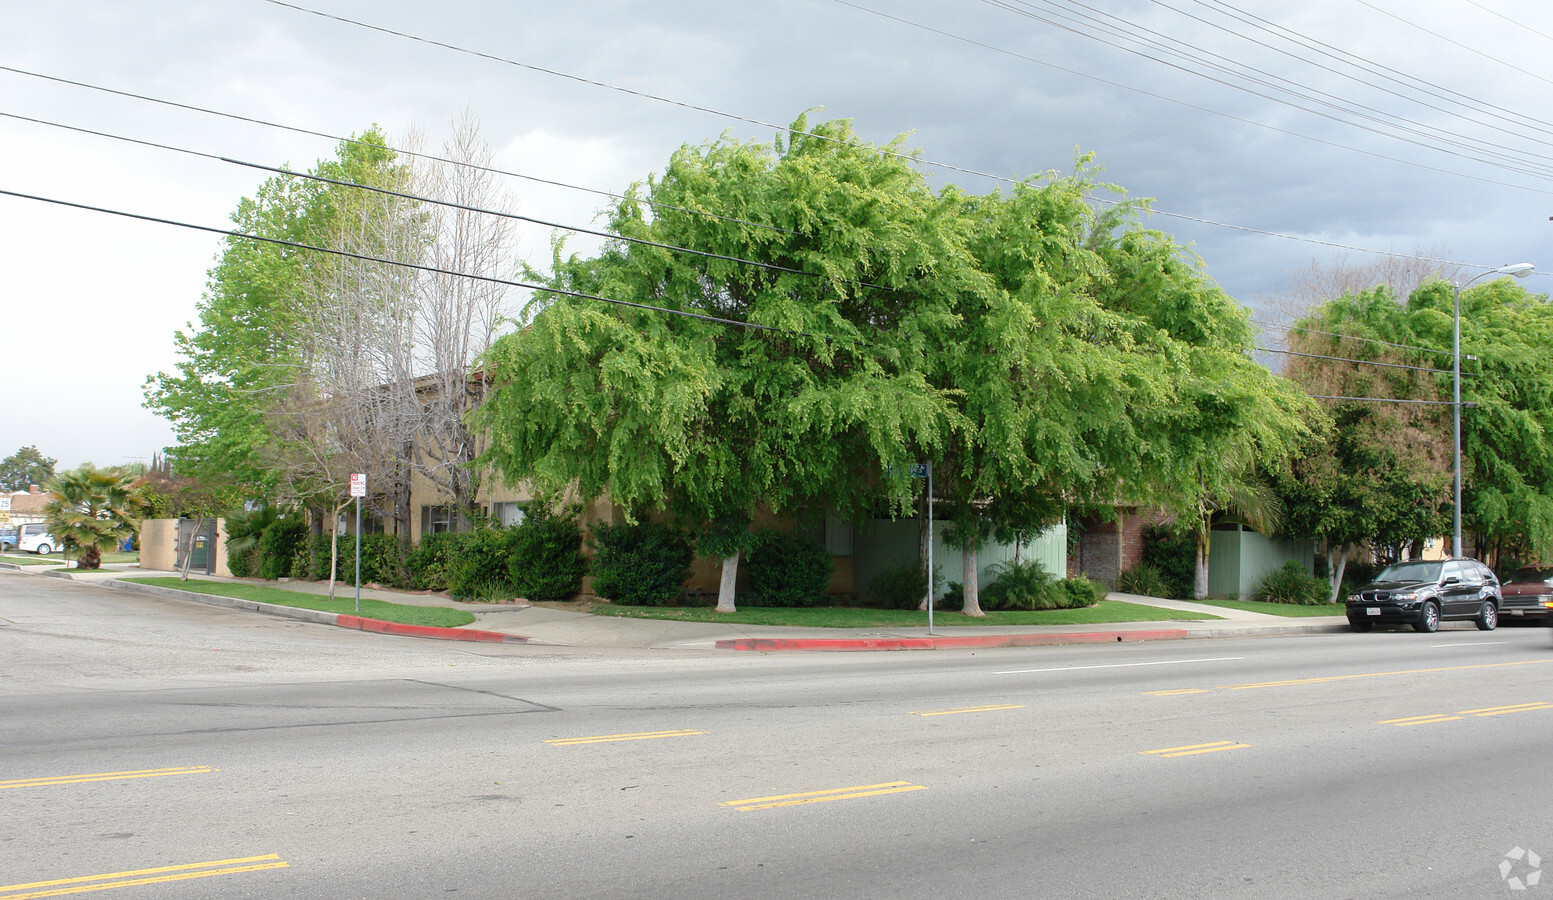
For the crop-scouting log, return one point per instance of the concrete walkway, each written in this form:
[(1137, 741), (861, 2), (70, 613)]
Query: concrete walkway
[(563, 627)]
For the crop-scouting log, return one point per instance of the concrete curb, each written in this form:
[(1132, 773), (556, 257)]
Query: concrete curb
[(325, 618), (950, 643)]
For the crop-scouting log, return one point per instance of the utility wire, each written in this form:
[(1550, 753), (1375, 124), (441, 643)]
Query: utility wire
[(1000, 178), (649, 96), (411, 153), (1449, 40), (491, 279), (1362, 362), (432, 200), (1464, 404), (1214, 112), (1340, 113), (1349, 337)]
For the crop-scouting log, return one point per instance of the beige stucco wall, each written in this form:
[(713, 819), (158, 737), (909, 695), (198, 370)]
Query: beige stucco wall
[(159, 546)]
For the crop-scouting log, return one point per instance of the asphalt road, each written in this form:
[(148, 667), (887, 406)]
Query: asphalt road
[(153, 748)]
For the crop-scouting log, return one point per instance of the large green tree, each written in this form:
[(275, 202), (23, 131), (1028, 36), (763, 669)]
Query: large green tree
[(26, 467), (1036, 352), (1403, 467), (246, 350), (712, 421)]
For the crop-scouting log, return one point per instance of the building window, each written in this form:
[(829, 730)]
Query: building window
[(507, 513), (436, 519), (825, 528)]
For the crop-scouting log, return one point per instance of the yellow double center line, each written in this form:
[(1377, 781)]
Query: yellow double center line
[(85, 883), (104, 776), (968, 709), (847, 793), (1486, 711), (606, 738), (1194, 749)]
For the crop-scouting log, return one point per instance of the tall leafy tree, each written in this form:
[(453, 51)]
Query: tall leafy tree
[(245, 350), (1405, 473), (1035, 351), (26, 467), (712, 421)]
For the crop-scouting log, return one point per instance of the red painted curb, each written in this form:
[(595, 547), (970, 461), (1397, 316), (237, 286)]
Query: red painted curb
[(949, 643), (428, 631)]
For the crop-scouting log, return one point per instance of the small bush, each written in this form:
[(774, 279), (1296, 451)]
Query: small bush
[(788, 570), (1291, 584), (546, 561), (1025, 585), (640, 565), (1081, 592), (427, 562), (479, 570), (279, 545), (382, 562), (1142, 579), (898, 587), (1174, 554)]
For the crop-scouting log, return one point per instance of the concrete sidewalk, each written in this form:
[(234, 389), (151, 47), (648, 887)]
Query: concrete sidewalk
[(561, 627)]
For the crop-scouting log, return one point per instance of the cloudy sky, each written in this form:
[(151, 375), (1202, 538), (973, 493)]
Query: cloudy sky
[(1269, 139)]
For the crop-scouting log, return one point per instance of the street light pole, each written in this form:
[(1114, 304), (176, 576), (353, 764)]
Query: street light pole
[(1519, 270)]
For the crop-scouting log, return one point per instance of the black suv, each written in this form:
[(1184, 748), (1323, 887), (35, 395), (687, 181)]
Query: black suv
[(1424, 592)]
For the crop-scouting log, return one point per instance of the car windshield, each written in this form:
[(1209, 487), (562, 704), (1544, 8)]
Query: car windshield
[(1411, 571), (1533, 573)]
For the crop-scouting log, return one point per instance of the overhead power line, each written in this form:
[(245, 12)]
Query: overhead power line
[(433, 270), (436, 201), (1349, 337), (746, 119), (295, 129), (1362, 362)]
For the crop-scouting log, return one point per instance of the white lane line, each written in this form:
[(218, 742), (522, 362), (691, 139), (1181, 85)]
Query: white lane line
[(1471, 644), (1162, 662)]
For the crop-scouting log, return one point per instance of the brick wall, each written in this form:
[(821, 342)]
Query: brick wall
[(1095, 554)]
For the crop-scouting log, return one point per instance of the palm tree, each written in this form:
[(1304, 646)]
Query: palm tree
[(1233, 488), (91, 509)]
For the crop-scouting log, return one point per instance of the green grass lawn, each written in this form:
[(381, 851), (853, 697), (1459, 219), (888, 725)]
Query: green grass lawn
[(1290, 610), (828, 617), (441, 616), (27, 559)]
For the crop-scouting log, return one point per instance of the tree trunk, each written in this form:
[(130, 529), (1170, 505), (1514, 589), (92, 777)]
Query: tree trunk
[(188, 558), (1337, 563), (1200, 586), (725, 586), (972, 605), (334, 548)]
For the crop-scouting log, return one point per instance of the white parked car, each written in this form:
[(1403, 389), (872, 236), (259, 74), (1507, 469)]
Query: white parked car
[(35, 538)]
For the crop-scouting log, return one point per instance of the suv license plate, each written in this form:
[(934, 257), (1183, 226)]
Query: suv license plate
[(1372, 611)]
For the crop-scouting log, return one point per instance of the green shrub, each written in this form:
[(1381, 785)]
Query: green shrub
[(479, 568), (1142, 579), (243, 528), (546, 561), (279, 544), (898, 587), (640, 565), (1024, 585), (427, 562), (1291, 584), (1174, 553), (382, 561), (787, 570), (1081, 592)]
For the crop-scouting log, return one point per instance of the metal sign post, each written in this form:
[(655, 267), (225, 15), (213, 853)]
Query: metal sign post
[(358, 490)]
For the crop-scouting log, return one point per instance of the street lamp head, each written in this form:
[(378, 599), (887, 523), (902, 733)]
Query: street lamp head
[(1519, 270)]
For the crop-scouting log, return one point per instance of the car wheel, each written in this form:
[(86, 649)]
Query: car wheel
[(1360, 625), (1488, 616), (1429, 619), (44, 549)]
